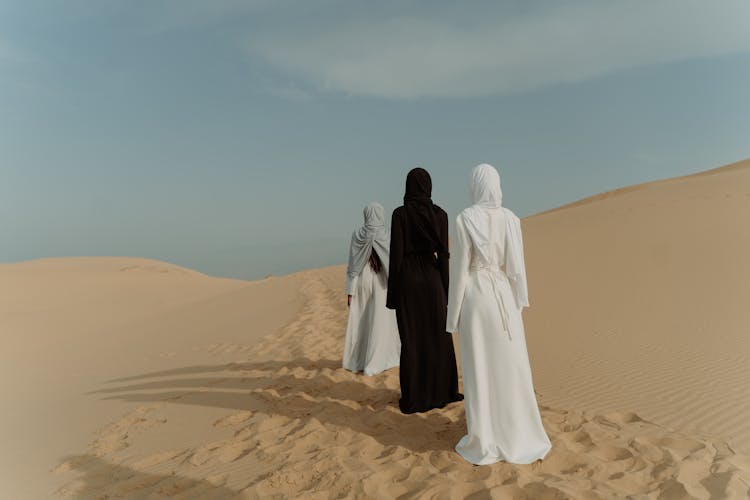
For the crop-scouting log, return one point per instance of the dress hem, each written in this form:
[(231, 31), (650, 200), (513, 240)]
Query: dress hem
[(489, 460), (458, 397)]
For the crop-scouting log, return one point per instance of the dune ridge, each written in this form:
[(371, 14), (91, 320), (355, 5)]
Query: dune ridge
[(189, 386), (69, 324), (298, 425), (739, 165), (639, 301)]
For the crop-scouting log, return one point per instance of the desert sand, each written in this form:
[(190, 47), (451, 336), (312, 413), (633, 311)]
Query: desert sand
[(70, 324), (128, 378)]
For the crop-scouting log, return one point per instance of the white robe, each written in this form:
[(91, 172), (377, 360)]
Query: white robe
[(485, 306), (372, 343)]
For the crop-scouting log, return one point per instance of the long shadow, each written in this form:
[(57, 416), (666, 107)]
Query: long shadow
[(320, 397), (101, 479), (306, 363)]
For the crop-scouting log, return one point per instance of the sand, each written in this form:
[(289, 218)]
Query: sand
[(641, 300), (69, 324), (127, 378)]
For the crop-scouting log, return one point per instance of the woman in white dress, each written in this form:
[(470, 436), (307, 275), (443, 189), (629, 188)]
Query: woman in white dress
[(372, 343), (488, 292)]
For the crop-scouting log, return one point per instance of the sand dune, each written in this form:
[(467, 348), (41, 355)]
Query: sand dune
[(640, 301), (130, 378), (291, 423), (69, 324)]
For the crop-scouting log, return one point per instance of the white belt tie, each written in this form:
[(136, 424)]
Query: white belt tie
[(496, 274)]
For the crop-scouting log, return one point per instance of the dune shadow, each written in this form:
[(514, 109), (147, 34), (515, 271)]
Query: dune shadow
[(101, 479), (302, 389), (305, 363)]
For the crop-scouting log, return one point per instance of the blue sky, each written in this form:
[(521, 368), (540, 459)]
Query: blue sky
[(242, 138)]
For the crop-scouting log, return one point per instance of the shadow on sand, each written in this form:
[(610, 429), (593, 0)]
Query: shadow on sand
[(301, 389), (101, 479)]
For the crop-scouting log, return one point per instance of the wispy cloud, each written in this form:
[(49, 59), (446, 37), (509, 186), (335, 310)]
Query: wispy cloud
[(291, 93), (167, 15), (404, 57)]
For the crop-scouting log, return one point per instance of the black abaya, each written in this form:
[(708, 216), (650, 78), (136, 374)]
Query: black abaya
[(418, 291)]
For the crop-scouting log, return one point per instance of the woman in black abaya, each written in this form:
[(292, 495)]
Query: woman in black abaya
[(418, 291)]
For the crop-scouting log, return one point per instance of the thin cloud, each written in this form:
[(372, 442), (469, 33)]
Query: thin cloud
[(168, 15), (417, 57), (291, 93)]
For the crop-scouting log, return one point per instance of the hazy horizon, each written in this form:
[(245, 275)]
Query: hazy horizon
[(242, 138)]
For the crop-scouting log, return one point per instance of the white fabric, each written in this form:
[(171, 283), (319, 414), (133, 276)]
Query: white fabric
[(373, 234), (485, 188), (485, 306), (486, 195), (515, 264), (372, 343)]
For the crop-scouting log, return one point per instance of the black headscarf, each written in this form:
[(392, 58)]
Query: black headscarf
[(420, 211)]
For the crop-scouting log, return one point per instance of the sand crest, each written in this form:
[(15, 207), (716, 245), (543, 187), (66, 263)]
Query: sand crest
[(129, 378), (293, 423), (70, 324), (640, 301)]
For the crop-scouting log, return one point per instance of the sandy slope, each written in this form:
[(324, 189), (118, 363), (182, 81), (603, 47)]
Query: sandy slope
[(641, 301), (289, 422), (139, 379), (67, 325)]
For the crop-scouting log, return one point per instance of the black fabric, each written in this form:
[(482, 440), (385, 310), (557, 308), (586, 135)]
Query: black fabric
[(418, 291), (421, 212)]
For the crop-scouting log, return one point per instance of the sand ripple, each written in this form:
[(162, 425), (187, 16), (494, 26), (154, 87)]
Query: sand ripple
[(290, 422)]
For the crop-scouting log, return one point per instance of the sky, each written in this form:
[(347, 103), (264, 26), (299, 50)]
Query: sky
[(243, 138)]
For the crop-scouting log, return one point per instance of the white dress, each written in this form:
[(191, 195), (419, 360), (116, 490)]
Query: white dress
[(502, 415), (372, 343)]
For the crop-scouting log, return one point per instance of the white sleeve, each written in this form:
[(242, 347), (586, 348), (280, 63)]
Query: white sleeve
[(351, 284), (351, 281), (460, 261), (515, 265)]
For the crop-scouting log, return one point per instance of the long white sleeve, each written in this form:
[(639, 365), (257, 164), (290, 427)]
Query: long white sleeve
[(515, 265), (351, 284), (351, 276), (460, 261)]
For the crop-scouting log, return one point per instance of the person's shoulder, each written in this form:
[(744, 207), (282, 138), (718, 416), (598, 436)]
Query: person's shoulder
[(398, 215), (461, 216), (439, 211), (466, 212), (510, 214)]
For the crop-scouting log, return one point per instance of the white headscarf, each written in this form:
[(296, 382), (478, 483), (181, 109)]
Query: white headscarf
[(373, 234), (485, 186), (486, 193)]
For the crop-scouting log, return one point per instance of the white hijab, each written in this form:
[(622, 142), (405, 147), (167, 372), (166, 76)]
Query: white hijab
[(485, 187), (486, 193), (373, 234)]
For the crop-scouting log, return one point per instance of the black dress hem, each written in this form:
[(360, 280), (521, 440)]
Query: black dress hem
[(408, 411)]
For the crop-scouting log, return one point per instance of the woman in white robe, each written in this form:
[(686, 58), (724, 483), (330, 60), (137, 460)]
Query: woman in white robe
[(372, 344), (488, 292)]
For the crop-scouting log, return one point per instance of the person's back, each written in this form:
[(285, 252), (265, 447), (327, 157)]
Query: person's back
[(417, 290), (371, 344), (488, 292), (428, 265), (495, 234)]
